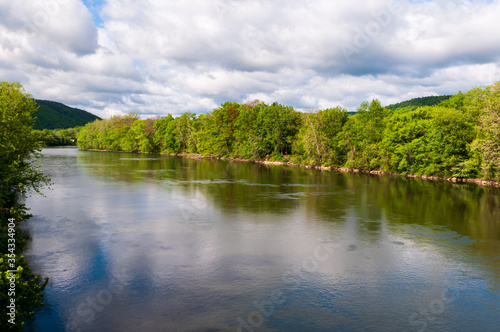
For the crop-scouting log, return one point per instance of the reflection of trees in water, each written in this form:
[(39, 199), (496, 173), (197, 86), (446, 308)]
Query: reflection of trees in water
[(467, 209), (231, 186)]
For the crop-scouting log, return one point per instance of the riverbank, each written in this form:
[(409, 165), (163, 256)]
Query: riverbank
[(480, 182)]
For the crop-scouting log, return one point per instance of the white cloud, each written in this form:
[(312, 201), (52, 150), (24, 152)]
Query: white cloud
[(158, 57), (65, 25)]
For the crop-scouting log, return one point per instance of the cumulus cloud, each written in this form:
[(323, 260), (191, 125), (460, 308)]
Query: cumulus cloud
[(65, 25), (156, 57)]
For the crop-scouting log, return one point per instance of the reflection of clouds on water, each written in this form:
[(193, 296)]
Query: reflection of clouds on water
[(63, 253), (63, 234), (195, 211)]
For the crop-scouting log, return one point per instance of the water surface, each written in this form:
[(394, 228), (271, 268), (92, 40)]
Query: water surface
[(157, 243)]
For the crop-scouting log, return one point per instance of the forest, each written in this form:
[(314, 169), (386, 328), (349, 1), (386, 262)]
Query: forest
[(56, 137), (459, 136)]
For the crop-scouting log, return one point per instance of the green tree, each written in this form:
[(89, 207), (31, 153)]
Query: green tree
[(449, 141), (19, 175), (180, 135), (64, 132), (319, 138), (161, 126), (18, 146), (141, 136), (215, 131), (246, 135), (363, 135), (276, 129), (222, 127), (431, 140), (404, 147), (487, 143)]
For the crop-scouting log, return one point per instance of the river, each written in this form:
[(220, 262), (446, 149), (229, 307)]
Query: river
[(137, 242)]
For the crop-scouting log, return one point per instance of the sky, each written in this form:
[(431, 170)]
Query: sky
[(154, 57)]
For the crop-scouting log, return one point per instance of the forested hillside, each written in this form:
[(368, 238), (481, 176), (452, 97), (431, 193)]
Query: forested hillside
[(54, 115), (459, 137), (418, 102)]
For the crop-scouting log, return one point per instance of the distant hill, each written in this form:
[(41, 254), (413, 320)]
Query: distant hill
[(54, 115), (417, 102)]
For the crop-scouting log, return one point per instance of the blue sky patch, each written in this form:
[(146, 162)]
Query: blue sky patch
[(95, 7)]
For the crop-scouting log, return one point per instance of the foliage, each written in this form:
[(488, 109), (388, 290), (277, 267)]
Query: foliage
[(404, 145), (276, 127), (247, 139), (57, 137), (429, 140), (319, 139), (487, 143), (19, 175), (18, 145), (28, 293), (216, 134), (161, 126), (363, 134)]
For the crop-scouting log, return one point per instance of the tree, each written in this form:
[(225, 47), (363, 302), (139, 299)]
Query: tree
[(363, 134), (64, 132), (431, 140), (319, 137), (246, 137), (488, 140), (161, 125), (141, 136), (222, 127), (19, 175), (276, 129), (450, 136), (185, 140), (404, 147), (18, 145)]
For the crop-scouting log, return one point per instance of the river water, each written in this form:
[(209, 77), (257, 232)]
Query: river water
[(158, 243)]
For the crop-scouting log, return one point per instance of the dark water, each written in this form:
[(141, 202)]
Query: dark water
[(156, 243)]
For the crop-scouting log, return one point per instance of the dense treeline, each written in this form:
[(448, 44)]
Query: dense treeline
[(56, 137), (54, 115), (21, 292), (458, 137)]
